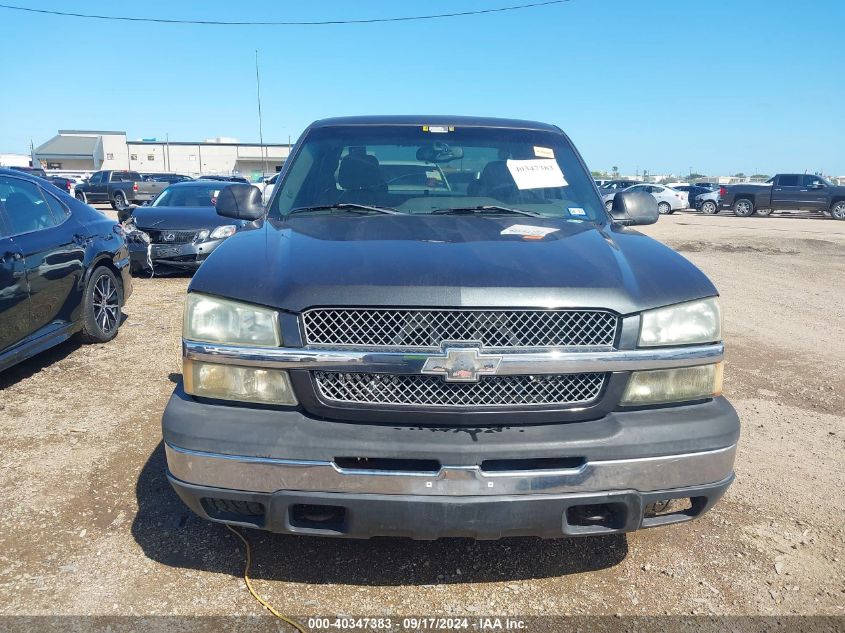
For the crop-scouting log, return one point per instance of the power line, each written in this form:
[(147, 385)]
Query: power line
[(407, 18)]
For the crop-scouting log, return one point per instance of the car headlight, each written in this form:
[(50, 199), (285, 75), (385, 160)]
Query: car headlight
[(661, 386), (223, 231), (217, 320), (682, 324), (244, 384)]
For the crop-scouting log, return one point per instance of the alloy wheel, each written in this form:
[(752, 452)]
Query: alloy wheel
[(106, 304)]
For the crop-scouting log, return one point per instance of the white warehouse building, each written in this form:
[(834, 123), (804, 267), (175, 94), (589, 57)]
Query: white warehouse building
[(92, 150)]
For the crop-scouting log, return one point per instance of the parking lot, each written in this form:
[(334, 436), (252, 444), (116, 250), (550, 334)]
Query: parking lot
[(91, 526)]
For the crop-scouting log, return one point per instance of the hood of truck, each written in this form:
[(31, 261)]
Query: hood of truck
[(448, 261)]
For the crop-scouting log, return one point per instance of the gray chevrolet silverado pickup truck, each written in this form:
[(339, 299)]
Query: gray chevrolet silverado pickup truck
[(119, 188), (383, 354), (794, 192)]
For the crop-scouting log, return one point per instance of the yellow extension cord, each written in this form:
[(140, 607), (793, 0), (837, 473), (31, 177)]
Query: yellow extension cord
[(248, 582)]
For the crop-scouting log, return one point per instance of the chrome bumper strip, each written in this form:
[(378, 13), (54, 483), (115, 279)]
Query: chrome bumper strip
[(514, 363), (267, 475)]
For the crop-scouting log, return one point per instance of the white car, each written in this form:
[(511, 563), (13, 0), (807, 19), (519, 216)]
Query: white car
[(668, 200), (268, 185)]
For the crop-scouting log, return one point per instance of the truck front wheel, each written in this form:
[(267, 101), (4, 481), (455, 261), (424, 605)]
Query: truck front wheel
[(743, 207), (837, 211)]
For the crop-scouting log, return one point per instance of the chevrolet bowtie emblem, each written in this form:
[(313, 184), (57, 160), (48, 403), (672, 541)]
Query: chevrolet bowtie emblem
[(461, 364)]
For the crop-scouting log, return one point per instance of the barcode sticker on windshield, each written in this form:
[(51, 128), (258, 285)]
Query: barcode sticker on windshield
[(577, 211), (544, 152), (537, 173), (528, 231)]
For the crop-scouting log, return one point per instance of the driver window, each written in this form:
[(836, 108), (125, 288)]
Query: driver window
[(26, 209)]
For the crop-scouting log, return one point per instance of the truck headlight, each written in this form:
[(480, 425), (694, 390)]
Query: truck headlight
[(685, 323), (661, 386), (244, 384), (216, 320)]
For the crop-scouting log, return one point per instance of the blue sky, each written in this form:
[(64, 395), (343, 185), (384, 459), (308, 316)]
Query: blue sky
[(719, 87)]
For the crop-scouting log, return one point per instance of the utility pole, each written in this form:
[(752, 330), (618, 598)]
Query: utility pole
[(260, 127)]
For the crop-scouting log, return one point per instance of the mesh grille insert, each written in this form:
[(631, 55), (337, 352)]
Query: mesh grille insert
[(430, 328), (414, 390)]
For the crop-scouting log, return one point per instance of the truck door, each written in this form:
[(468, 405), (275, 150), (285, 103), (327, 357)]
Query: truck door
[(14, 292), (98, 187), (786, 192), (814, 193)]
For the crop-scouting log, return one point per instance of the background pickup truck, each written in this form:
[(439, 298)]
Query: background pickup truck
[(799, 192), (120, 188)]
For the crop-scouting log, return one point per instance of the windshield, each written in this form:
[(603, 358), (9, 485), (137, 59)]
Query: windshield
[(189, 196), (414, 170)]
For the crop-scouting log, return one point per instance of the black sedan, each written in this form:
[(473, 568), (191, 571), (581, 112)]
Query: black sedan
[(64, 269), (180, 229)]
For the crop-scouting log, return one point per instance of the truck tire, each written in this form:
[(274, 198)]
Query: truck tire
[(743, 207), (764, 213), (664, 208), (80, 195), (119, 202), (837, 211), (101, 306), (709, 207)]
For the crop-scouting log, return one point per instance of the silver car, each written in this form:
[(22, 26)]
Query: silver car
[(668, 200)]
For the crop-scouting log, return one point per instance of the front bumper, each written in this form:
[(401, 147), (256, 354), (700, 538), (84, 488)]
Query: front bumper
[(484, 482), (185, 256), (422, 517)]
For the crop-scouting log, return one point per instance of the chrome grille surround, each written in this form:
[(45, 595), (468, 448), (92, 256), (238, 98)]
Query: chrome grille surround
[(428, 328), (423, 391)]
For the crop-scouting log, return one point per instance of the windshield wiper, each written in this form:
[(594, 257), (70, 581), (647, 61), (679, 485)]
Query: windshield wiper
[(486, 208), (346, 206)]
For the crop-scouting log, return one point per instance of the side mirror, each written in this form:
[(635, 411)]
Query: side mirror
[(634, 208), (241, 202), (818, 185)]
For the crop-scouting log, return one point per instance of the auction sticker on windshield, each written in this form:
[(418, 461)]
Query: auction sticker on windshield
[(537, 173)]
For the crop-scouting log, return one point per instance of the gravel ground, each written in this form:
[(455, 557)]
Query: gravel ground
[(90, 525)]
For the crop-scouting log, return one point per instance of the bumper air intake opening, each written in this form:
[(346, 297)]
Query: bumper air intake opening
[(675, 510), (611, 516), (388, 465), (542, 463), (317, 518), (229, 510)]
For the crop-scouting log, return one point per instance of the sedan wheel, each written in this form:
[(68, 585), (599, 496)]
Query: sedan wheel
[(664, 208), (102, 306), (838, 211), (709, 207)]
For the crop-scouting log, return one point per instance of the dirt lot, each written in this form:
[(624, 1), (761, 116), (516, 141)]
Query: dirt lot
[(90, 526)]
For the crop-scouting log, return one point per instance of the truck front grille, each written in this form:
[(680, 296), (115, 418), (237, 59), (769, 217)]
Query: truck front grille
[(363, 327), (415, 390)]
